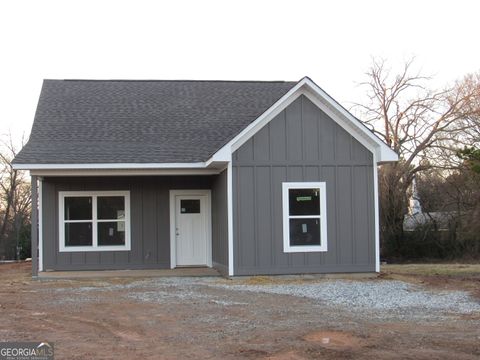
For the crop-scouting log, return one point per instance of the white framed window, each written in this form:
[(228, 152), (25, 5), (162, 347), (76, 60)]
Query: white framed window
[(304, 216), (94, 220)]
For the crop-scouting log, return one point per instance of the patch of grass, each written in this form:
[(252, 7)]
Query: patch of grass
[(88, 282), (433, 269), (280, 279), (260, 280)]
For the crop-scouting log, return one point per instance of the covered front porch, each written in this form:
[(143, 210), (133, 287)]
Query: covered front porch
[(165, 225)]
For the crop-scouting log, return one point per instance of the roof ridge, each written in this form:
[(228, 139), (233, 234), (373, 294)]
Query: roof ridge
[(176, 80)]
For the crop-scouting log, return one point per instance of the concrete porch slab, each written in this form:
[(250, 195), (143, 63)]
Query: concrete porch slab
[(178, 272)]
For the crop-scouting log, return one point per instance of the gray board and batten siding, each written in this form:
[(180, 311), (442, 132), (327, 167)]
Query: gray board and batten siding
[(220, 223), (149, 219), (303, 144)]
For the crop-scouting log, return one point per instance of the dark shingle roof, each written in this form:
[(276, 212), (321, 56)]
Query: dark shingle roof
[(121, 121)]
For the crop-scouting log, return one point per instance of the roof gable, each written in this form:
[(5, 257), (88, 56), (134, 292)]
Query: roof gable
[(306, 87)]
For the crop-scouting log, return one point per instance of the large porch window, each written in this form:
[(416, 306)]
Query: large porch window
[(94, 220)]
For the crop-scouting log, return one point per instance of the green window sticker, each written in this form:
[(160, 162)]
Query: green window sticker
[(304, 198)]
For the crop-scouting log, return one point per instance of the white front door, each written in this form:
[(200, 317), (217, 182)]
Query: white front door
[(191, 232)]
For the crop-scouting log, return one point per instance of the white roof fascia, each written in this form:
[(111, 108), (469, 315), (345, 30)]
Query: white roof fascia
[(222, 155), (352, 124), (117, 166), (120, 172), (321, 99), (225, 153)]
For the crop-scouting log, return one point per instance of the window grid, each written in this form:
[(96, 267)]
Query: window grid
[(287, 247), (94, 221)]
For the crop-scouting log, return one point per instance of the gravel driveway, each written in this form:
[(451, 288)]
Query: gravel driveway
[(386, 297), (381, 299), (259, 317)]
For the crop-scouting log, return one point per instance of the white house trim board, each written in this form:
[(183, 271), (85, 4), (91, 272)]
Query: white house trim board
[(376, 215), (123, 166), (173, 243), (263, 119), (224, 154), (40, 224), (321, 99), (385, 154), (346, 125), (124, 172), (230, 218)]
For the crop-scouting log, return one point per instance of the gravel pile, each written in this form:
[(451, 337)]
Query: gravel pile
[(374, 295), (386, 296), (378, 298), (162, 295)]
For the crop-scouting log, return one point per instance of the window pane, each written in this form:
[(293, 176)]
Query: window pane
[(190, 206), (111, 207), (111, 233), (304, 201), (78, 208), (304, 232), (78, 234)]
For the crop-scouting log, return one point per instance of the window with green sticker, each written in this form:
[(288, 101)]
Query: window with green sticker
[(304, 217)]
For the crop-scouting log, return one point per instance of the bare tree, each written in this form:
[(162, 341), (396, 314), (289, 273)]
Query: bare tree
[(15, 199), (425, 127)]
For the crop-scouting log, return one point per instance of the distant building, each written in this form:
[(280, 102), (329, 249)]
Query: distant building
[(439, 220)]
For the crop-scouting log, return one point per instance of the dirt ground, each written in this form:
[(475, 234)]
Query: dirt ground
[(121, 318), (438, 276)]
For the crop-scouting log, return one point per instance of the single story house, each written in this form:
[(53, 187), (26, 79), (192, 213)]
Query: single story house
[(248, 177)]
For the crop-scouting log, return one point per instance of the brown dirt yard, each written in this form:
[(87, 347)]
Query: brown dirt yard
[(408, 312)]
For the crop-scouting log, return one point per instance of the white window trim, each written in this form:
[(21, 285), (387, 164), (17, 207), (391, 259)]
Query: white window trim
[(286, 186), (40, 224), (94, 195)]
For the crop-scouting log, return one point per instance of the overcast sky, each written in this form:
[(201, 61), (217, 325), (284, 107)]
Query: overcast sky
[(330, 41)]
